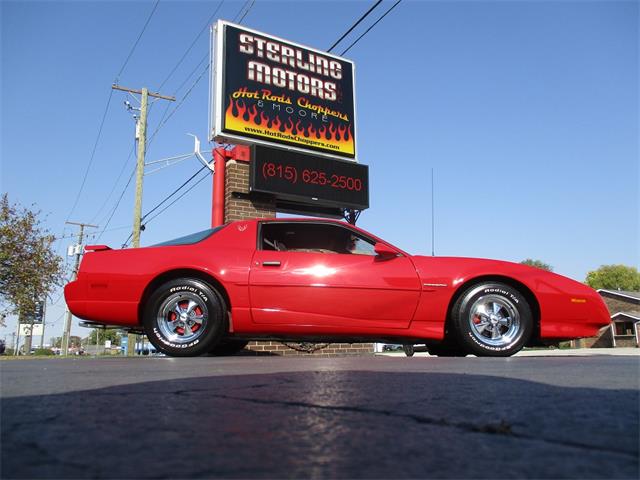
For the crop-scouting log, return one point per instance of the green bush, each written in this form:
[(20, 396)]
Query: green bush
[(43, 351)]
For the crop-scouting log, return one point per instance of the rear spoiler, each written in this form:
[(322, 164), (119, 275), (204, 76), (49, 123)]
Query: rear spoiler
[(96, 248)]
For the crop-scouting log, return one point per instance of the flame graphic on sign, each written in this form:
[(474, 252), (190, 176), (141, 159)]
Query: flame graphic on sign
[(242, 119)]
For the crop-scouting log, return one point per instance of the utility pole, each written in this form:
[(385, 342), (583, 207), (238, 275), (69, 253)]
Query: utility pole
[(141, 137), (44, 316), (36, 314), (15, 351), (74, 275)]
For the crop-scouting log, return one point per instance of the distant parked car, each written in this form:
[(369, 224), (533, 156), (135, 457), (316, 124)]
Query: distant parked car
[(391, 347), (324, 280)]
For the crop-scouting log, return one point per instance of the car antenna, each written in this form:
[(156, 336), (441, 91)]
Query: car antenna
[(433, 228)]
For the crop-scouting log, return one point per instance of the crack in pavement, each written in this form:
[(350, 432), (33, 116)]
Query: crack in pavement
[(44, 457), (503, 428), (37, 422)]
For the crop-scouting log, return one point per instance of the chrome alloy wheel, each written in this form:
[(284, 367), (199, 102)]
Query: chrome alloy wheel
[(495, 321), (182, 317)]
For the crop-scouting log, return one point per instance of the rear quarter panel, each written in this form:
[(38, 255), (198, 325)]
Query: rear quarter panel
[(111, 283)]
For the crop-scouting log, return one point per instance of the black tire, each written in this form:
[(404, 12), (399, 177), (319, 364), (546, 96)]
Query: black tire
[(446, 350), (408, 349), (228, 347), (185, 318), (492, 320)]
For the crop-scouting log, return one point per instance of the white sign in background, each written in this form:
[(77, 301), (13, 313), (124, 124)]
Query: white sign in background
[(25, 329)]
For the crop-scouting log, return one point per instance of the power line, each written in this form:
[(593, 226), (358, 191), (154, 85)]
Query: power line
[(165, 118), (248, 10), (124, 166), (185, 183), (164, 121), (92, 156), (173, 193), (235, 19), (248, 4), (355, 25), (126, 242), (195, 40), (177, 199), (368, 29), (199, 64), (166, 110), (119, 200), (186, 95), (149, 143), (133, 48), (104, 115), (92, 235)]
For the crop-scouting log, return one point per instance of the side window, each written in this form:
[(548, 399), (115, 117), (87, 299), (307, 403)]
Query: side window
[(313, 238), (362, 246)]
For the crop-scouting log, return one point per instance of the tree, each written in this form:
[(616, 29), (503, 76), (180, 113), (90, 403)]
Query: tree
[(614, 277), (29, 267), (105, 334), (538, 264)]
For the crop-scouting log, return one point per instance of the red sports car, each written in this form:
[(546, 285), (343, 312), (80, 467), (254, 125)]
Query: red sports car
[(324, 280)]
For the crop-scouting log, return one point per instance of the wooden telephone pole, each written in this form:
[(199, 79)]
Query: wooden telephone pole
[(141, 137), (74, 275)]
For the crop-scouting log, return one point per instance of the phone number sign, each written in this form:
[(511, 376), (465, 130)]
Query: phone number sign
[(309, 179)]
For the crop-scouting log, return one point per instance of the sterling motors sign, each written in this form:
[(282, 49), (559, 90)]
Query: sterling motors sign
[(273, 92)]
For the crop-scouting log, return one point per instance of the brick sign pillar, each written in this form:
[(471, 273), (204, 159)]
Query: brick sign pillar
[(238, 207)]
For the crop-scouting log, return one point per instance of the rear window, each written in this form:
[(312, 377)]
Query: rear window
[(190, 239)]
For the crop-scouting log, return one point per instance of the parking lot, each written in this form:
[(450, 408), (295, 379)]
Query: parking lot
[(350, 417)]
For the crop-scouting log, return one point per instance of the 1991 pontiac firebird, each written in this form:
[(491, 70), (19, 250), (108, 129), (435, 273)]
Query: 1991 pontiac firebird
[(324, 280)]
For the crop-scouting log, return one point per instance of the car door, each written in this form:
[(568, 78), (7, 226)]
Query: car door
[(316, 284)]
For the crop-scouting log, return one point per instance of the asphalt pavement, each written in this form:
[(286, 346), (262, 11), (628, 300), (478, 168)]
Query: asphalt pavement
[(349, 417)]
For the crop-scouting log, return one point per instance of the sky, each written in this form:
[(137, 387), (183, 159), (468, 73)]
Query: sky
[(527, 112)]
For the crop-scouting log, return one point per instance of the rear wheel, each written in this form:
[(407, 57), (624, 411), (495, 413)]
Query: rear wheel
[(492, 319), (185, 318)]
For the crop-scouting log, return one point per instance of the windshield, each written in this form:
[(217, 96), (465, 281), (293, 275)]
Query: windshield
[(190, 239)]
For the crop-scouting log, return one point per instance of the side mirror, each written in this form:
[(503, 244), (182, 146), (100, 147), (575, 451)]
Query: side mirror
[(384, 252)]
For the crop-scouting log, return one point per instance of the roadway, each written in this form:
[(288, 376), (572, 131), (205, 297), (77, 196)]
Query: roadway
[(349, 417)]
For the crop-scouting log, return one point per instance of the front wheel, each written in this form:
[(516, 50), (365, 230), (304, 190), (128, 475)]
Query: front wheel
[(492, 319), (185, 318)]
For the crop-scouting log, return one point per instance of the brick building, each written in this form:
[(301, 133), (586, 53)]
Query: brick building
[(624, 308)]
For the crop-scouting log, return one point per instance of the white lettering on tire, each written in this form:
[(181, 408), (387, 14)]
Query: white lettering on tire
[(502, 292), (159, 336)]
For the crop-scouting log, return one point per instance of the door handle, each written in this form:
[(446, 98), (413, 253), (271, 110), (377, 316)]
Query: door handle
[(271, 264)]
